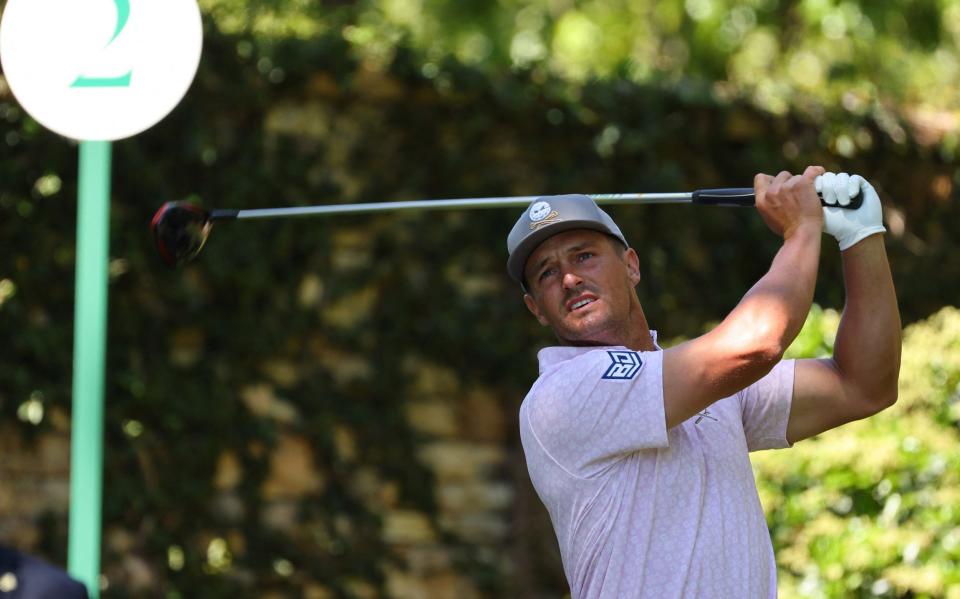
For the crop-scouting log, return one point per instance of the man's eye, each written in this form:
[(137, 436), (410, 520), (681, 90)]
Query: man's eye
[(547, 273), (584, 256)]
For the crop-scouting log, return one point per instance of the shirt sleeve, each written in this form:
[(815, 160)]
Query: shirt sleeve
[(765, 408), (599, 407)]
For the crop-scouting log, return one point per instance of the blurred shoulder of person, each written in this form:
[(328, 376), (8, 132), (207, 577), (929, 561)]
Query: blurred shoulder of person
[(26, 577)]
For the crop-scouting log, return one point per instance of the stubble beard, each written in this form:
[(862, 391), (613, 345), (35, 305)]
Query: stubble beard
[(609, 329), (597, 330)]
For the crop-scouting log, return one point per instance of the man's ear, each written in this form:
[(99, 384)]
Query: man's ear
[(632, 261), (534, 308)]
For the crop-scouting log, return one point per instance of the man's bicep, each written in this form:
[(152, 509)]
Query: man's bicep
[(706, 369), (685, 382), (822, 400)]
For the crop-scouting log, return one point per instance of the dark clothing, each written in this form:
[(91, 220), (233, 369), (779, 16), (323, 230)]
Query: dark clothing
[(25, 577)]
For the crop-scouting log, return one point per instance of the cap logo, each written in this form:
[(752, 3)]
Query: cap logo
[(541, 215), (551, 218), (539, 211)]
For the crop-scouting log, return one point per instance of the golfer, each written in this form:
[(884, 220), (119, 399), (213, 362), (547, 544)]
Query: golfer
[(639, 453)]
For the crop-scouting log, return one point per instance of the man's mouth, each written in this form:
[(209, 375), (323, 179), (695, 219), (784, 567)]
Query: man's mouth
[(580, 302)]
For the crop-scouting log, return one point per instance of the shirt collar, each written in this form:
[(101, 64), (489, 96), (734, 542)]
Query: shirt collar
[(551, 356)]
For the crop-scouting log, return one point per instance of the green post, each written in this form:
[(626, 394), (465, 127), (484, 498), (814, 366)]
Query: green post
[(89, 349)]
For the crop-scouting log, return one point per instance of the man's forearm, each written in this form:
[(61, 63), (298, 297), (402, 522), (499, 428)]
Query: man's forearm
[(751, 340), (867, 348), (785, 293)]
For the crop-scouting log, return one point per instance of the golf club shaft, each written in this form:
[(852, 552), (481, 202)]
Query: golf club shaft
[(468, 203), (737, 196)]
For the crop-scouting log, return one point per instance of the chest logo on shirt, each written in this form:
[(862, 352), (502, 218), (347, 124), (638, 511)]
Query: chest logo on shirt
[(704, 414), (624, 365)]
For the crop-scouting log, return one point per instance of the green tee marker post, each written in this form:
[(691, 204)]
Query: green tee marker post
[(96, 72), (89, 353)]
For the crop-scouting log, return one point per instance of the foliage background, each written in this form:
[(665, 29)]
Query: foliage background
[(326, 344)]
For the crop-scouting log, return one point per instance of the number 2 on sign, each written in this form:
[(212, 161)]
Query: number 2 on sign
[(123, 14)]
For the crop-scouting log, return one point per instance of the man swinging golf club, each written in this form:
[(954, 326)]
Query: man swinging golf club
[(641, 454)]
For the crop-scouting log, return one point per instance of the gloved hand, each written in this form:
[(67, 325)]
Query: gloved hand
[(849, 226)]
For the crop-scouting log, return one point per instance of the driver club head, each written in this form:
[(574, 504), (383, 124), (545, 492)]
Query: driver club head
[(179, 230)]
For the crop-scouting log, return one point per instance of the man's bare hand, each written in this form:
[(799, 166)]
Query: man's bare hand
[(788, 202)]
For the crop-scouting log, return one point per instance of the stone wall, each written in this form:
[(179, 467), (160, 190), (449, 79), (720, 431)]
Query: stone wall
[(464, 439), (34, 480)]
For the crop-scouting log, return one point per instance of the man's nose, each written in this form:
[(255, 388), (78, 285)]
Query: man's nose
[(571, 279)]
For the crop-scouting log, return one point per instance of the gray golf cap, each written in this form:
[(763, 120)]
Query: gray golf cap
[(549, 215)]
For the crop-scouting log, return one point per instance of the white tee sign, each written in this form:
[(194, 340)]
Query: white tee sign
[(100, 69)]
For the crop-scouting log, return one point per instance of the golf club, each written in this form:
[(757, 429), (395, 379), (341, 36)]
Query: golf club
[(181, 229)]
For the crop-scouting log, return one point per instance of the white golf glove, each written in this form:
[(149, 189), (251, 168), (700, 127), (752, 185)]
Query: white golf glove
[(849, 226)]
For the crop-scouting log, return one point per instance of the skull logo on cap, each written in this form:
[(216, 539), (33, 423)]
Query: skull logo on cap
[(539, 211)]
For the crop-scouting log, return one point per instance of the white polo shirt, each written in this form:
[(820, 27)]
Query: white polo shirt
[(640, 511)]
